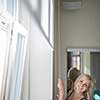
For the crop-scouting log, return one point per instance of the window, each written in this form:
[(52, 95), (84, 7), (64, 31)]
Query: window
[(3, 4), (12, 56), (17, 59), (76, 59), (10, 6)]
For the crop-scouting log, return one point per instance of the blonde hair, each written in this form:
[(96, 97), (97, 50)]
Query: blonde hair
[(84, 75), (90, 91)]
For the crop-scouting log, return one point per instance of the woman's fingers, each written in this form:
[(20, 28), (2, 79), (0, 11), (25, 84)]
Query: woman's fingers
[(60, 84)]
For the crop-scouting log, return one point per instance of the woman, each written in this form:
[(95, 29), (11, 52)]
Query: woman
[(82, 86)]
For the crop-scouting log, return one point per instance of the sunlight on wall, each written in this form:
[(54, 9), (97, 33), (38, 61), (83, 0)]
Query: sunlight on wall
[(44, 19)]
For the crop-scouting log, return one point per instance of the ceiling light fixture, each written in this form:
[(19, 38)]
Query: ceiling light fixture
[(72, 5)]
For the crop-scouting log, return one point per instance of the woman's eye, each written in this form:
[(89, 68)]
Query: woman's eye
[(81, 81)]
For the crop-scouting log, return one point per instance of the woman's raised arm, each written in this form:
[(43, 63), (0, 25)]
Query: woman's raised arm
[(60, 86)]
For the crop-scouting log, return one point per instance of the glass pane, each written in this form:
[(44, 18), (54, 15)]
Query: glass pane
[(78, 65), (75, 53), (18, 68), (19, 63), (12, 6), (73, 64), (73, 59), (2, 4), (78, 58)]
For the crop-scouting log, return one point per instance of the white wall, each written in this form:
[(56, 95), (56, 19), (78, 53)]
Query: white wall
[(79, 28), (38, 75), (40, 67)]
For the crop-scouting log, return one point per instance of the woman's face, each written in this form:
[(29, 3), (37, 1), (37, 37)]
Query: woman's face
[(83, 84)]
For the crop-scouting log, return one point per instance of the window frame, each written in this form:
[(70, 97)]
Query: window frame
[(16, 81), (6, 25), (50, 20)]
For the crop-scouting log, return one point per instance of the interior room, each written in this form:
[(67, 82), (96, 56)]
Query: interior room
[(39, 39)]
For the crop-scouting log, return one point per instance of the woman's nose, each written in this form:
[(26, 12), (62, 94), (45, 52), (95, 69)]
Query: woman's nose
[(83, 84)]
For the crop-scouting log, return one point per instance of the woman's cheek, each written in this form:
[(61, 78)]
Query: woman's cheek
[(78, 86)]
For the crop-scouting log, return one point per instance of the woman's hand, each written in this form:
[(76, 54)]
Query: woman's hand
[(60, 86)]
